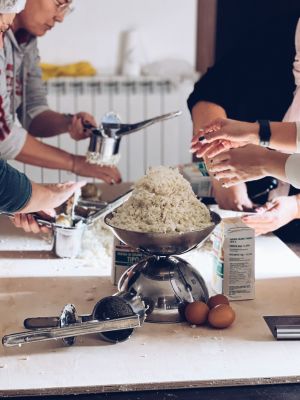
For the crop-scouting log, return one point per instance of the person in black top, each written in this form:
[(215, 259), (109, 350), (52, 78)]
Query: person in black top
[(252, 81)]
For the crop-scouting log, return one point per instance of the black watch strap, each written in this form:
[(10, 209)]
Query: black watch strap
[(264, 132)]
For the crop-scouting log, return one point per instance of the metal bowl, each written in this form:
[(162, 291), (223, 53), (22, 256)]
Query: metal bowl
[(163, 244)]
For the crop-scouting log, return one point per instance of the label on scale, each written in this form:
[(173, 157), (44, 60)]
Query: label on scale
[(234, 259)]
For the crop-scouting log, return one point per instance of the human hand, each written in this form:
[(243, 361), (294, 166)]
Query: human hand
[(239, 165), (28, 223), (49, 196), (223, 134), (234, 198), (76, 128), (60, 192), (109, 174), (273, 215)]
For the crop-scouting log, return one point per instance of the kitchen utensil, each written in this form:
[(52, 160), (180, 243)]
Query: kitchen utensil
[(284, 327), (113, 318), (71, 203), (105, 142), (163, 244), (67, 243), (42, 222), (67, 239), (108, 208), (76, 329), (164, 281), (109, 308), (101, 208)]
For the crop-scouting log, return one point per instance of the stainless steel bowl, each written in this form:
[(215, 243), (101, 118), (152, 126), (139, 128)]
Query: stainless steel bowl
[(163, 244)]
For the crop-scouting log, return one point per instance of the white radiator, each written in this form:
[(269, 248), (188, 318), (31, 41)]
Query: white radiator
[(166, 143)]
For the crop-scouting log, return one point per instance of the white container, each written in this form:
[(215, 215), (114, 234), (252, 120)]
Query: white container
[(234, 260), (131, 65), (67, 242)]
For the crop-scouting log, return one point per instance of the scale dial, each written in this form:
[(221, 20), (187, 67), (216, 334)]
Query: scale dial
[(187, 284)]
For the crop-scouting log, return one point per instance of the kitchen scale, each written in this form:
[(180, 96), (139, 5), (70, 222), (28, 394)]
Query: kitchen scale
[(155, 289), (164, 281)]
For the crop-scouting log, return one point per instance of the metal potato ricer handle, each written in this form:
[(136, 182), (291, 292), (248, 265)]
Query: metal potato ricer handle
[(105, 142), (76, 329), (113, 317), (40, 221)]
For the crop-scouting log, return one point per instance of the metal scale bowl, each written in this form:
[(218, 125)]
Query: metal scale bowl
[(164, 281)]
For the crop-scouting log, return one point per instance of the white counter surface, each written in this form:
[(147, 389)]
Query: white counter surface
[(156, 356)]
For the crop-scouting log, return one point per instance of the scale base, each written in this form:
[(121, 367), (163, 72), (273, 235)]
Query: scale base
[(166, 285)]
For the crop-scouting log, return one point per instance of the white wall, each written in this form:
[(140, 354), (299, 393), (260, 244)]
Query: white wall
[(93, 32)]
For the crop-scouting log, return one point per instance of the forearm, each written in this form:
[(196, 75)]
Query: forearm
[(50, 123), (283, 135), (41, 196), (202, 114), (40, 154), (274, 164), (205, 112)]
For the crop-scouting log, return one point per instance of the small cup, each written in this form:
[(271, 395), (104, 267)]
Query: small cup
[(68, 241)]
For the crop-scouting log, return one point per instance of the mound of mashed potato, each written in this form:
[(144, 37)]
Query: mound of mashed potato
[(162, 201)]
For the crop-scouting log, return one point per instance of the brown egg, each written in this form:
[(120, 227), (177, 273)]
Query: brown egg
[(222, 316), (196, 312), (217, 300)]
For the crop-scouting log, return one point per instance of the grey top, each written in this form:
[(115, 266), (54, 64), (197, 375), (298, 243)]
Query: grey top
[(22, 91), (15, 188)]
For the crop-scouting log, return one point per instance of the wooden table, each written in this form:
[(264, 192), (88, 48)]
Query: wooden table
[(156, 357)]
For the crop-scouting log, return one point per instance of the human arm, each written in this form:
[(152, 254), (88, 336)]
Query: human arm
[(248, 163), (273, 215), (35, 113), (223, 134), (51, 123), (19, 194), (235, 197), (46, 196), (49, 196), (37, 153)]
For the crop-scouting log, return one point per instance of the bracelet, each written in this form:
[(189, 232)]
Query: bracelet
[(264, 132)]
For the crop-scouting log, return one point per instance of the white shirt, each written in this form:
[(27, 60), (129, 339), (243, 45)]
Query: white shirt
[(292, 166)]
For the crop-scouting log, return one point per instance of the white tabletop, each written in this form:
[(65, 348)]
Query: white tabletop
[(156, 356)]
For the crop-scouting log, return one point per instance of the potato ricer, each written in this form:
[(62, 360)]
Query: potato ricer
[(104, 147), (114, 318)]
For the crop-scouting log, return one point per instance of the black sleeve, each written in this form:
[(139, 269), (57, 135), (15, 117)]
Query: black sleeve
[(255, 79), (15, 188)]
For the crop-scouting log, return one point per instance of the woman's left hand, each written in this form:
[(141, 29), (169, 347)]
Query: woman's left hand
[(76, 128), (238, 165)]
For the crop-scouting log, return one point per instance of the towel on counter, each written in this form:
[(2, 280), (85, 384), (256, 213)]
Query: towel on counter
[(82, 68)]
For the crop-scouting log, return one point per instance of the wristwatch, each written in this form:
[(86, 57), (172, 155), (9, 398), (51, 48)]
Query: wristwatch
[(264, 132)]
